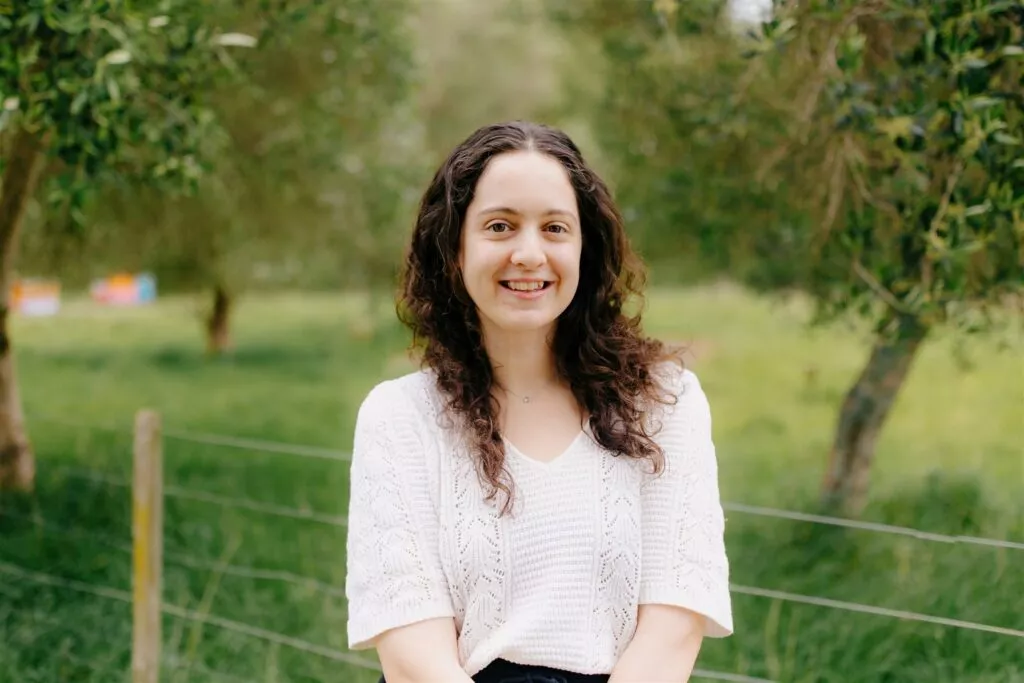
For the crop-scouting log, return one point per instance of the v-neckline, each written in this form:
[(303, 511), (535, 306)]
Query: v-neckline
[(545, 464)]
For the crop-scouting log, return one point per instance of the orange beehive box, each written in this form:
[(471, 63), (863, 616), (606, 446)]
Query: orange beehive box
[(35, 296)]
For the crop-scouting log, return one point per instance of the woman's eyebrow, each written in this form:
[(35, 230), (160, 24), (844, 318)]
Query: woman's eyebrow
[(515, 212)]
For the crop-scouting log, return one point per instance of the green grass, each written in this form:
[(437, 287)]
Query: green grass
[(950, 461)]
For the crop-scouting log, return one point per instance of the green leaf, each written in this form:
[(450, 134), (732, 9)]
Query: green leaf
[(31, 21), (120, 56), (235, 40), (78, 103), (896, 127), (972, 247), (113, 90), (978, 209), (1004, 139), (982, 102)]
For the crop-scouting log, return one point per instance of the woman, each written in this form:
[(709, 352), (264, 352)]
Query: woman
[(539, 503)]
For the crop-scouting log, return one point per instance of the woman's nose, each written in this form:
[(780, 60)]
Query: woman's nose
[(529, 249)]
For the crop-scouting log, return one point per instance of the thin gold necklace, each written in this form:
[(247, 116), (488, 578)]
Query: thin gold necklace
[(524, 399)]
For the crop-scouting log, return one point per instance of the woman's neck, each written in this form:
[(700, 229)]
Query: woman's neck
[(523, 363)]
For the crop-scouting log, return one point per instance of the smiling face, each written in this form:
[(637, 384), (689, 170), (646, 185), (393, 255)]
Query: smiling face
[(521, 244)]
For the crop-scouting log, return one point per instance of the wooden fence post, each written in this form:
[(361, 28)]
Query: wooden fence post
[(147, 547)]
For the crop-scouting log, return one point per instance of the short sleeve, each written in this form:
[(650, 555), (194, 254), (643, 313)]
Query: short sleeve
[(394, 576), (684, 561)]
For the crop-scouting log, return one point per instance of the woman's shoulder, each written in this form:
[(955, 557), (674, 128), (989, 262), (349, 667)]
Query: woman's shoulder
[(677, 381), (682, 405), (408, 395)]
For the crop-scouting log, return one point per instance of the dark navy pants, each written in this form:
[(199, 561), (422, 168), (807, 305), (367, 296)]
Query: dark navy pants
[(501, 671)]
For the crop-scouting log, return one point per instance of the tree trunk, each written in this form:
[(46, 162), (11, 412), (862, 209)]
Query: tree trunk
[(863, 413), (17, 463), (218, 325)]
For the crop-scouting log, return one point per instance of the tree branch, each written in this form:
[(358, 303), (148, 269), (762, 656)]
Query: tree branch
[(876, 286), (928, 266), (812, 91)]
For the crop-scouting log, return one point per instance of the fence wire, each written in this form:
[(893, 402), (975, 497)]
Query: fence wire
[(304, 451), (261, 633), (213, 498), (758, 511), (258, 445), (872, 609), (336, 591), (186, 559), (870, 526)]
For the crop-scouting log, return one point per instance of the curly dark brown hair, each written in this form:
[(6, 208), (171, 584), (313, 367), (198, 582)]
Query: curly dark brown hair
[(600, 350)]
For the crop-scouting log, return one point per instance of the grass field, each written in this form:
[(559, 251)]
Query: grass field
[(951, 460)]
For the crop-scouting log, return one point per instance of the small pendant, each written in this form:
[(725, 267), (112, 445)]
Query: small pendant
[(526, 399)]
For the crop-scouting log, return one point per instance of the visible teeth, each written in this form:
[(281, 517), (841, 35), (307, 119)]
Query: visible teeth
[(525, 286)]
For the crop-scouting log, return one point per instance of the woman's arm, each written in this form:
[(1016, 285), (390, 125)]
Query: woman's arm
[(684, 579), (398, 597), (664, 647), (424, 652)]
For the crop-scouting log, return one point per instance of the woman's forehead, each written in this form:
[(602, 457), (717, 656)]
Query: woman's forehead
[(524, 183)]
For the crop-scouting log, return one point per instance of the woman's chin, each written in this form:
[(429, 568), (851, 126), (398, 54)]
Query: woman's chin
[(522, 322)]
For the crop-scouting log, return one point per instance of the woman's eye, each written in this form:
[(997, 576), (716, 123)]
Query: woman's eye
[(499, 226), (556, 227)]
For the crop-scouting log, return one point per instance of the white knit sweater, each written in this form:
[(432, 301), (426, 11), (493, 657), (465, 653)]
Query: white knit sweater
[(558, 582)]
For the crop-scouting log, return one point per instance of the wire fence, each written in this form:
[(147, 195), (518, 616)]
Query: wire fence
[(309, 515), (211, 498), (188, 560), (318, 585), (758, 511), (305, 451), (257, 632), (870, 526)]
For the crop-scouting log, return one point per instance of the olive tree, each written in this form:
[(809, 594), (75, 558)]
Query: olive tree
[(865, 151), (303, 128), (909, 119), (101, 91)]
